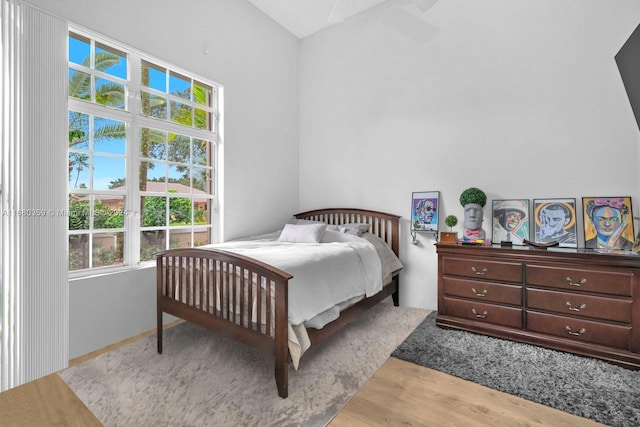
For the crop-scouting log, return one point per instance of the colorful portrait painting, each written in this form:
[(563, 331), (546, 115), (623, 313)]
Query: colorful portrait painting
[(510, 221), (424, 211), (608, 223), (555, 221)]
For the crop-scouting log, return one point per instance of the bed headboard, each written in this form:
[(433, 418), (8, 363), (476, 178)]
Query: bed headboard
[(383, 225)]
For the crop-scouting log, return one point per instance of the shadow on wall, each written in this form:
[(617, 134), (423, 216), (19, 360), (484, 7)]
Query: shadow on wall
[(405, 17)]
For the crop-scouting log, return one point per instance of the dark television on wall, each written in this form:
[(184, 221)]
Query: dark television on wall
[(628, 60)]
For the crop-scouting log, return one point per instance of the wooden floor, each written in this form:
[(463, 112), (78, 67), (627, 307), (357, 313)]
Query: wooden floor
[(405, 394), (399, 394)]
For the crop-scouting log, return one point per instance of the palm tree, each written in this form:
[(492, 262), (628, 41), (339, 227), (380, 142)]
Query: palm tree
[(79, 161), (110, 94)]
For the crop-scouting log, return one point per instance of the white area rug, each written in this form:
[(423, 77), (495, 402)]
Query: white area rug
[(204, 379)]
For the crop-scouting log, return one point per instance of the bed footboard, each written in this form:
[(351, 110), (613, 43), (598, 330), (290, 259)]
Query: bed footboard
[(240, 297)]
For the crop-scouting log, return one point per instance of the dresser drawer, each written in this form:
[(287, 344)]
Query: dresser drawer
[(485, 291), (600, 281), (490, 313), (579, 329), (566, 303), (482, 269)]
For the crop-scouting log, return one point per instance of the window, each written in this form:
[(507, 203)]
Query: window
[(142, 156)]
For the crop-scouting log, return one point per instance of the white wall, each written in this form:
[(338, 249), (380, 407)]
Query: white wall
[(522, 99), (256, 61)]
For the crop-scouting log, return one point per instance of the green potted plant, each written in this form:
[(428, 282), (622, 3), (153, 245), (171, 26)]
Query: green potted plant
[(450, 236)]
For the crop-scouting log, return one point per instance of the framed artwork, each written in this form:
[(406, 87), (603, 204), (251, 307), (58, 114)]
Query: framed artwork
[(555, 221), (608, 223), (510, 221), (424, 211)]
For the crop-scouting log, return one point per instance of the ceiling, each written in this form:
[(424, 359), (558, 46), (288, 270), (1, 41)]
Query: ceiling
[(305, 17)]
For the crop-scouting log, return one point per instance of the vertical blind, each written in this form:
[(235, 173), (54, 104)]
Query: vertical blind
[(34, 284)]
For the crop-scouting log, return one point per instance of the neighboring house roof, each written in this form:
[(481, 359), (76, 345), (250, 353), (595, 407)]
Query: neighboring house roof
[(152, 187)]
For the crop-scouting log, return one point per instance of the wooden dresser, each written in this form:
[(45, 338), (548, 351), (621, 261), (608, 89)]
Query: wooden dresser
[(567, 299)]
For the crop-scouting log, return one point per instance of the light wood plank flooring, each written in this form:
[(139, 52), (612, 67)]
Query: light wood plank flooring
[(405, 394), (47, 401), (399, 394)]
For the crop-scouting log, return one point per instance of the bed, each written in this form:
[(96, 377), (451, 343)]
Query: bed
[(251, 300)]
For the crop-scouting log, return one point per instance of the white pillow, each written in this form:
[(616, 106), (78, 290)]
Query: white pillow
[(356, 228), (302, 233)]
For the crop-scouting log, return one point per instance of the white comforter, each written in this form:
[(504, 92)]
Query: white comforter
[(338, 269)]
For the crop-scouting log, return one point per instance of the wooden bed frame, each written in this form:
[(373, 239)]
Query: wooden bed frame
[(221, 301)]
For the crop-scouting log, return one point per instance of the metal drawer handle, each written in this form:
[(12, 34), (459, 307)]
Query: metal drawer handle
[(570, 281), (578, 308), (577, 334), (480, 294), (478, 315), (480, 272)]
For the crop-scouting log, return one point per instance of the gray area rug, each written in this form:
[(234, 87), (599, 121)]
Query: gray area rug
[(204, 379), (582, 386)]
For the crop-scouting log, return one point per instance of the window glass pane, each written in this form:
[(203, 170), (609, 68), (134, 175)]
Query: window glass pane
[(150, 243), (79, 85), (111, 61), (152, 144), (79, 212), (181, 113), (108, 211), (154, 105), (201, 236), (153, 176), (200, 179), (107, 171), (79, 49), (110, 93), (179, 86), (108, 249), (202, 94), (201, 152), (78, 170), (78, 131), (179, 148), (109, 136), (180, 238), (202, 118), (200, 211), (78, 251), (154, 213), (154, 76), (180, 211), (179, 177)]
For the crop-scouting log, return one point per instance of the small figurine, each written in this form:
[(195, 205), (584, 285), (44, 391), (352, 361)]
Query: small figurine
[(473, 201)]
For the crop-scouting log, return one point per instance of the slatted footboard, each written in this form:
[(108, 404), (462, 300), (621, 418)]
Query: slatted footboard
[(237, 296)]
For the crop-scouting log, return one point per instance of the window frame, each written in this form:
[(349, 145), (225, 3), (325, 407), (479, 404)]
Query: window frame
[(134, 120)]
